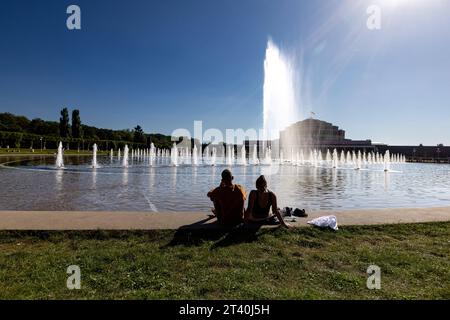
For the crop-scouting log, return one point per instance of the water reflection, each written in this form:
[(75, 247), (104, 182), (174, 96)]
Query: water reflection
[(174, 172), (183, 188), (94, 178), (59, 179), (387, 178), (125, 177)]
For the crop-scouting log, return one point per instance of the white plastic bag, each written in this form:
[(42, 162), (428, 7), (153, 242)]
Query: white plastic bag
[(325, 222)]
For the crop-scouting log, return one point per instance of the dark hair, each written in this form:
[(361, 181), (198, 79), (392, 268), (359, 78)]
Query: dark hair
[(261, 182), (226, 175)]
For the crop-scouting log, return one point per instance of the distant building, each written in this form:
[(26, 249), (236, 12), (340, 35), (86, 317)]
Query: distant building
[(420, 153), (317, 134)]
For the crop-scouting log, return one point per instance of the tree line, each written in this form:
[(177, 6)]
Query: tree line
[(21, 132)]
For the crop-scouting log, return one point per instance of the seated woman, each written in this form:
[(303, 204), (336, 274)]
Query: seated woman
[(260, 202)]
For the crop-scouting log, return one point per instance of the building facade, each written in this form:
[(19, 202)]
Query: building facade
[(320, 135)]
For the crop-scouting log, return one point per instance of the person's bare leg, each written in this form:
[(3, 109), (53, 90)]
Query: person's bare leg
[(252, 219)]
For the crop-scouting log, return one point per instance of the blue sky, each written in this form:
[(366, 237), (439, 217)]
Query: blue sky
[(164, 64)]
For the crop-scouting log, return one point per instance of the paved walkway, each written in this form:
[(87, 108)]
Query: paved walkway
[(84, 220)]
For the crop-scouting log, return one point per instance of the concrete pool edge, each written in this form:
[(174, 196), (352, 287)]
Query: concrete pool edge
[(95, 220)]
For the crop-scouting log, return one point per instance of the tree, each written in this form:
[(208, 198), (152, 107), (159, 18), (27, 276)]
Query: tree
[(20, 131), (64, 123), (76, 124), (138, 134), (10, 122)]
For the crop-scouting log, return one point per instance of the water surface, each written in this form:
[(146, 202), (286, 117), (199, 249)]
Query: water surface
[(33, 183)]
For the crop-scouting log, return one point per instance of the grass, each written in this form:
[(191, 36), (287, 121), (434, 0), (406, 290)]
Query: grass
[(304, 263)]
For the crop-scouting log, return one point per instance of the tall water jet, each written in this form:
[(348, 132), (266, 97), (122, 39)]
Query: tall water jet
[(111, 153), (94, 156), (59, 157), (280, 108), (118, 154), (125, 156)]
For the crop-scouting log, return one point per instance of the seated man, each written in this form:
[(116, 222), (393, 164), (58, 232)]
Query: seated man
[(228, 199)]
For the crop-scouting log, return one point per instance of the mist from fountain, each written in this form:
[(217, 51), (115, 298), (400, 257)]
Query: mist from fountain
[(280, 106)]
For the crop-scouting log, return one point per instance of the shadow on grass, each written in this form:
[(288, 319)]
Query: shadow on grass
[(200, 232)]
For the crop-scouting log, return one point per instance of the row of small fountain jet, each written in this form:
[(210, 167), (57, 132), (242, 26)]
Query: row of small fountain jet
[(357, 160), (209, 156)]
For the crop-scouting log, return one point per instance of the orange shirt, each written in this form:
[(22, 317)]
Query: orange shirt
[(230, 200)]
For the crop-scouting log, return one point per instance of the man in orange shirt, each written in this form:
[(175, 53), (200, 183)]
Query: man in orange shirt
[(228, 199)]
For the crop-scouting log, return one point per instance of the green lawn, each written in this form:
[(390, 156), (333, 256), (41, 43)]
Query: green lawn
[(304, 263)]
